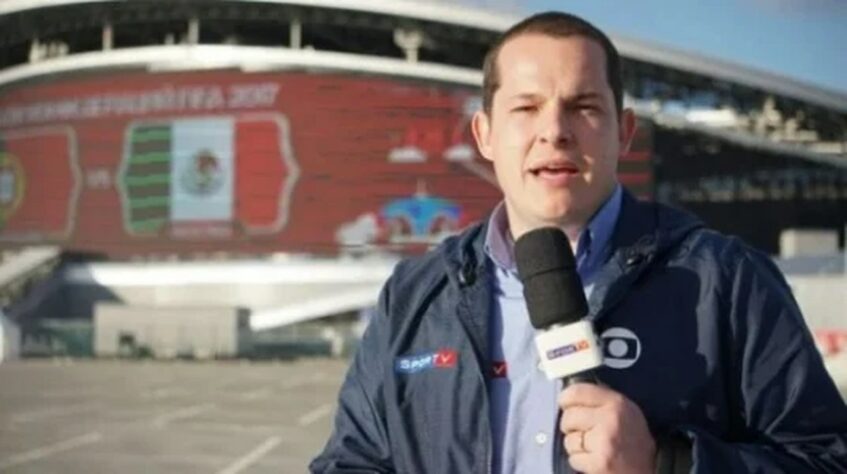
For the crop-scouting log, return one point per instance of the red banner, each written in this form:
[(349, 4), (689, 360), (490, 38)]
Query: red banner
[(39, 183), (135, 163)]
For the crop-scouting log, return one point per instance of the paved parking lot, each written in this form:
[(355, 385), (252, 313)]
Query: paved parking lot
[(88, 416), (187, 417)]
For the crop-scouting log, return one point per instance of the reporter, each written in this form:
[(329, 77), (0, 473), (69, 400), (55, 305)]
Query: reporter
[(709, 365)]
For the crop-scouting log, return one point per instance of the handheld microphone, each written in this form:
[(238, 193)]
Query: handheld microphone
[(567, 346)]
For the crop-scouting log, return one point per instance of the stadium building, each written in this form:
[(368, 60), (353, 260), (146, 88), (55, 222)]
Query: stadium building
[(274, 159)]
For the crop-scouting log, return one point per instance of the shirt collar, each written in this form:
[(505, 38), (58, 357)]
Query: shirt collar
[(500, 247), (591, 254)]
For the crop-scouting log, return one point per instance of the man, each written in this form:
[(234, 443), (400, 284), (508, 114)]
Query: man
[(709, 366)]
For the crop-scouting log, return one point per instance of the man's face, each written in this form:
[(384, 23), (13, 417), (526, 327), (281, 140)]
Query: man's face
[(553, 133)]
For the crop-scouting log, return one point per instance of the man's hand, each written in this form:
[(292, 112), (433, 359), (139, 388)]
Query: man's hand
[(605, 432)]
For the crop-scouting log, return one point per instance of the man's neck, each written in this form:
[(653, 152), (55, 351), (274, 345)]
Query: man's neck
[(573, 232), (572, 228)]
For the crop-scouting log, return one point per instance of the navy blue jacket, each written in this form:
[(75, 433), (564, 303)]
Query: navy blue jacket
[(725, 358)]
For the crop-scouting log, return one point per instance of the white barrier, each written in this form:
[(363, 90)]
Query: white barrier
[(10, 339)]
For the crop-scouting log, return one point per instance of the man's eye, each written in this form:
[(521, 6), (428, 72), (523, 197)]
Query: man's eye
[(525, 108)]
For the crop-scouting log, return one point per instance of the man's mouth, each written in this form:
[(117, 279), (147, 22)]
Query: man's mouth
[(554, 170)]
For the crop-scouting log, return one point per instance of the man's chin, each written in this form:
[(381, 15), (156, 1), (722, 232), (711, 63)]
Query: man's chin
[(561, 220), (570, 219), (559, 214)]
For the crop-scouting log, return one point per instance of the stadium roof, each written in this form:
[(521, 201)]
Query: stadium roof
[(278, 293), (248, 58), (480, 19)]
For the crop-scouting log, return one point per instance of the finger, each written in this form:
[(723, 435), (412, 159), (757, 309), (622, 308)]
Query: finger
[(574, 443), (583, 462), (578, 418), (585, 394)]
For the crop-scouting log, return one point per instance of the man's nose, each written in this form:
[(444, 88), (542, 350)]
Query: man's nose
[(555, 127)]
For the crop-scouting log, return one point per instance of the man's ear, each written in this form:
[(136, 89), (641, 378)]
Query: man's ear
[(626, 130), (481, 127)]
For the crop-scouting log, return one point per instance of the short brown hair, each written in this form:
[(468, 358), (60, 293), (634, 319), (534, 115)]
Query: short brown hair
[(557, 25)]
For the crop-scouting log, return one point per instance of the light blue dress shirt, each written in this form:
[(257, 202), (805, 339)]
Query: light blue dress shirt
[(523, 402)]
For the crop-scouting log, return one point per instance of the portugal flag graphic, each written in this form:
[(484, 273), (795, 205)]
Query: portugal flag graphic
[(194, 177), (38, 184)]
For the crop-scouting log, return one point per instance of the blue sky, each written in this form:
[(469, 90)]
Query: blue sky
[(802, 39)]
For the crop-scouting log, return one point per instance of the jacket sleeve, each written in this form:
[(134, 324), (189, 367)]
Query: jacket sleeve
[(789, 415), (359, 441)]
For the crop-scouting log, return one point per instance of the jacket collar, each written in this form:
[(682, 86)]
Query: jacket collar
[(469, 274), (644, 231), (465, 255)]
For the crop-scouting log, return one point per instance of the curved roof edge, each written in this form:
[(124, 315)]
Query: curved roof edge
[(747, 141), (438, 12), (730, 71), (246, 58), (474, 17)]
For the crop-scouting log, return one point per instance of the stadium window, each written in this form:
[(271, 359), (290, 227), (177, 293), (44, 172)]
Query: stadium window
[(81, 40), (14, 54), (149, 33), (350, 39), (455, 53), (253, 33), (462, 47)]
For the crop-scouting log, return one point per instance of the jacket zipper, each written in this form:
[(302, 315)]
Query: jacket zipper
[(482, 362), (489, 448), (558, 455)]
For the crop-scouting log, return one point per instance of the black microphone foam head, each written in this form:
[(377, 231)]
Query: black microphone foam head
[(552, 287)]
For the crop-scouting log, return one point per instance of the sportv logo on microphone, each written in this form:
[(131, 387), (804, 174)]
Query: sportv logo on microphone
[(568, 349)]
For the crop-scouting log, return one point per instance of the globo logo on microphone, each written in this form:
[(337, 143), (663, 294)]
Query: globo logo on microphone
[(621, 348)]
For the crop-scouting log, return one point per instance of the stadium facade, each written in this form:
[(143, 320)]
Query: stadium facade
[(208, 130), (187, 127)]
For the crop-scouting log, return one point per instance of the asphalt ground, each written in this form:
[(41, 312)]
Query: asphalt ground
[(89, 416), (96, 416)]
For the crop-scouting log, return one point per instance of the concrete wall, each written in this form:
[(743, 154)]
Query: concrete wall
[(169, 332), (10, 339), (804, 242), (233, 294), (80, 301), (822, 298)]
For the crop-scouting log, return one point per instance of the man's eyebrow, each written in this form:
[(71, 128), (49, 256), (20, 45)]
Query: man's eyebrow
[(582, 96), (525, 96), (588, 95)]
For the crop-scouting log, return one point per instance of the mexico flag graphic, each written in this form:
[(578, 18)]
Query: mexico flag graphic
[(39, 184), (208, 177)]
